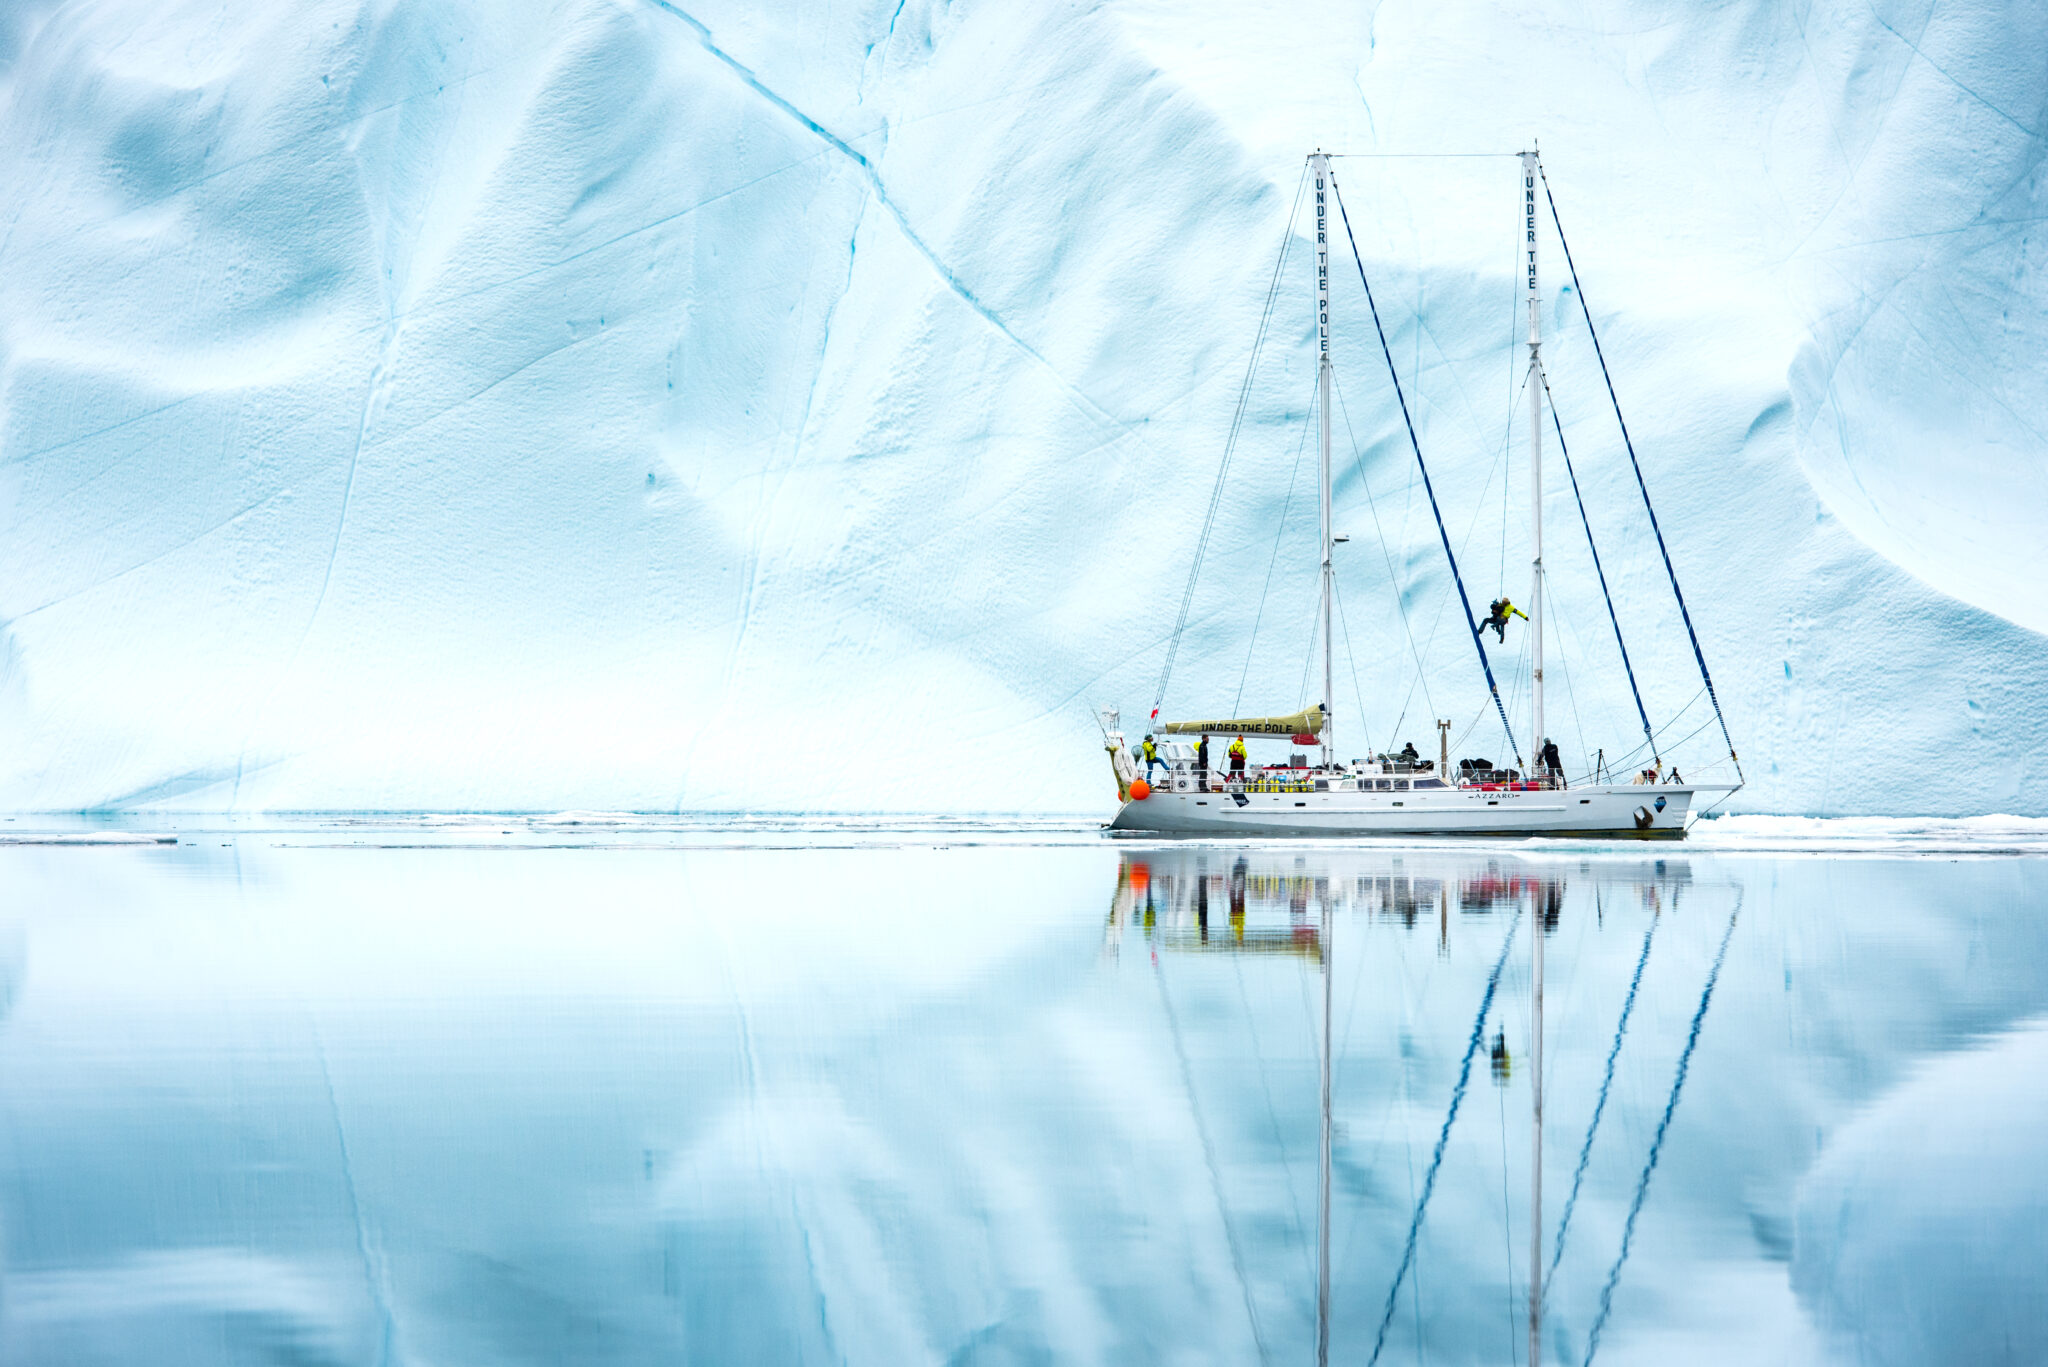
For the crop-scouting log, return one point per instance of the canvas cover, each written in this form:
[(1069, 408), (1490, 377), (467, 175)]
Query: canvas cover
[(1307, 722)]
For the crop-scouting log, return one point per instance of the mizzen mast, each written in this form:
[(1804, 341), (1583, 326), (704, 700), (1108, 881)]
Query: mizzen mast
[(1535, 385)]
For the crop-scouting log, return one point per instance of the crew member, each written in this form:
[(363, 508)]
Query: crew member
[(1202, 762), (1498, 620), (1151, 754), (1553, 765), (1237, 758)]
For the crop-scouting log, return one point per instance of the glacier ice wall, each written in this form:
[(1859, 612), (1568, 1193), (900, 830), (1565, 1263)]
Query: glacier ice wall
[(571, 404)]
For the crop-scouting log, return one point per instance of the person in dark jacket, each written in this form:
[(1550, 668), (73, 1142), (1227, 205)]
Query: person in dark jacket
[(1553, 765)]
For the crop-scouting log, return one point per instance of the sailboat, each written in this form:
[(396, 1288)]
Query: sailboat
[(1174, 792)]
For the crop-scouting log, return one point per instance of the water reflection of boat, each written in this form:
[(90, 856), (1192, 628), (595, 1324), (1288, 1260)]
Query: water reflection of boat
[(1254, 901), (1270, 900), (1216, 905)]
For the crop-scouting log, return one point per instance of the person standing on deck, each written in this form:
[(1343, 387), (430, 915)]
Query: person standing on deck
[(1202, 763), (1237, 758), (1553, 765), (1151, 754)]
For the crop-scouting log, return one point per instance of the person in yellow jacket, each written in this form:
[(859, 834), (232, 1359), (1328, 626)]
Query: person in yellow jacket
[(1150, 753), (1502, 610), (1237, 758)]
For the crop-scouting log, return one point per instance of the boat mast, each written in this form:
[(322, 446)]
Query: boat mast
[(1543, 893), (1319, 165), (1535, 446)]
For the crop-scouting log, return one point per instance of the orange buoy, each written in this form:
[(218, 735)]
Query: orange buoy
[(1140, 790)]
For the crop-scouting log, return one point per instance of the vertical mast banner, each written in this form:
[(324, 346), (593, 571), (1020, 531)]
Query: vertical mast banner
[(1322, 176)]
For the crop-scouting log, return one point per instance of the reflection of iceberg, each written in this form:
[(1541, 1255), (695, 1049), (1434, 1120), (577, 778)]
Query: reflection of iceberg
[(897, 1105), (1919, 1231), (192, 1305)]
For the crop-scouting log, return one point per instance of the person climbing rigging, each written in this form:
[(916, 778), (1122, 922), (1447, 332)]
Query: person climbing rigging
[(1502, 609)]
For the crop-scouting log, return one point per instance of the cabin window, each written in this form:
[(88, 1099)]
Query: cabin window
[(1429, 783), (1400, 785)]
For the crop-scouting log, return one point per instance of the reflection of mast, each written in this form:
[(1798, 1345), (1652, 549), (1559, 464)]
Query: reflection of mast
[(1539, 924), (1443, 1138), (1323, 1216)]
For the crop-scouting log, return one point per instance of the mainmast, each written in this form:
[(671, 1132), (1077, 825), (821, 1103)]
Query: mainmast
[(1529, 292), (1536, 924), (1319, 167)]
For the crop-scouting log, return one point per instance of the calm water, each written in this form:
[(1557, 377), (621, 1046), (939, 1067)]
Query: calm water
[(270, 1098)]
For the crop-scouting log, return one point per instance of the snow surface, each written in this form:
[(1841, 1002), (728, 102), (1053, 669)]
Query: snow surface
[(455, 405)]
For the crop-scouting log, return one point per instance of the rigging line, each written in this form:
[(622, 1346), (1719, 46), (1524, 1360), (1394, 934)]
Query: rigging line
[(1628, 1229), (1463, 601), (1352, 659), (1507, 484), (1315, 632), (1667, 727), (1187, 1082), (1564, 664), (1470, 727), (1694, 732), (1244, 393), (1443, 1138), (1272, 1111), (1471, 529), (1400, 599), (1279, 534), (1543, 374), (1628, 1007), (1708, 810), (1415, 156), (1662, 549)]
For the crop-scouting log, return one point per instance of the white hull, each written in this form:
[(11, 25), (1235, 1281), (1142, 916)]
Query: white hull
[(1604, 811)]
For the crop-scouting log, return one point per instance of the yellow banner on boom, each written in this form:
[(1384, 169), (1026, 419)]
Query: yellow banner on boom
[(1308, 722)]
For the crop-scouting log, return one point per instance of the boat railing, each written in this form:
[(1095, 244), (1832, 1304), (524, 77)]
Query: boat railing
[(1507, 780)]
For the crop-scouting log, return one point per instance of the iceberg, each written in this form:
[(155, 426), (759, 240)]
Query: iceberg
[(435, 405)]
